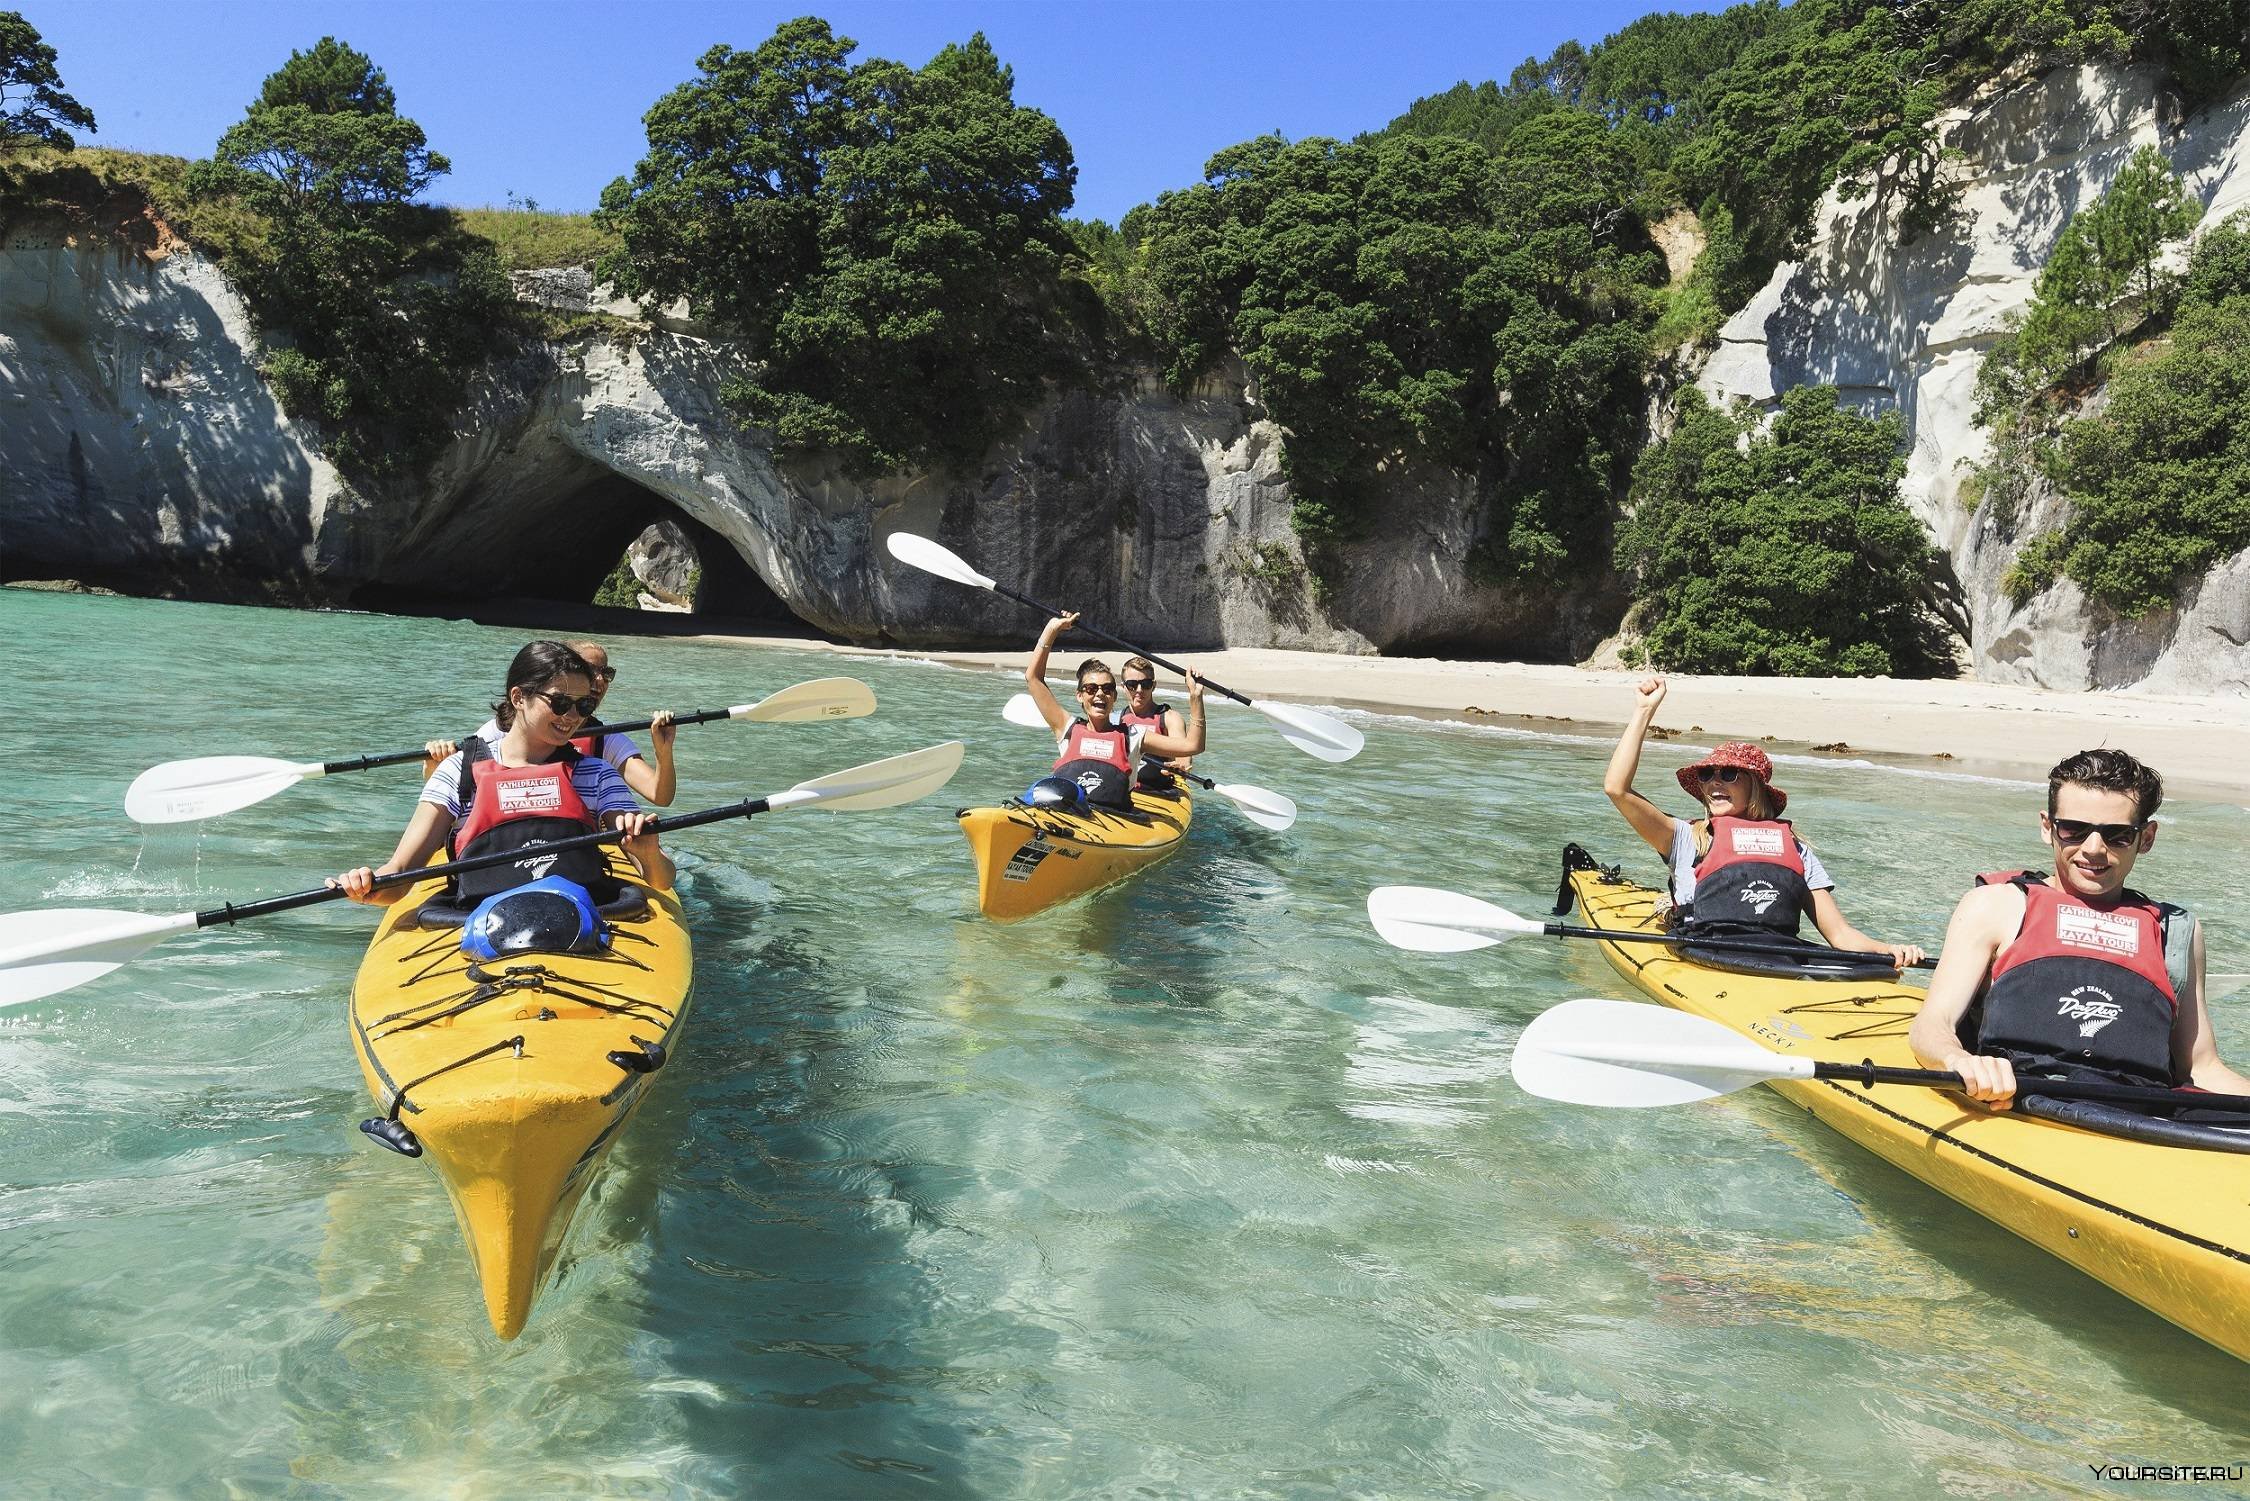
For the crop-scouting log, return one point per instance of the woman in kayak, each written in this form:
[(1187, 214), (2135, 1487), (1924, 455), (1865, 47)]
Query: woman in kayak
[(1142, 712), (1739, 869), (528, 787), (1093, 750), (656, 784)]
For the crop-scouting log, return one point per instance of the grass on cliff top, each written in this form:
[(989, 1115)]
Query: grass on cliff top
[(99, 187), (530, 239)]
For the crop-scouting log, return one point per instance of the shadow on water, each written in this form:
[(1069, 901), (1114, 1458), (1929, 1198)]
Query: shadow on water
[(2141, 1349)]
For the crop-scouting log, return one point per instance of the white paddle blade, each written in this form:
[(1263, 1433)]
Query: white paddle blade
[(184, 791), (43, 952), (1623, 1054), (1314, 733), (1430, 921), (1022, 710), (803, 703), (878, 784), (922, 553), (1268, 810)]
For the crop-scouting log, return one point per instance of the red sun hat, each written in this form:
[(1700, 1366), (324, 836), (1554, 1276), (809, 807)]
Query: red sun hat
[(1744, 756)]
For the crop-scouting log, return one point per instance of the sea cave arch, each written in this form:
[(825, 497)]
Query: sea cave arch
[(551, 539)]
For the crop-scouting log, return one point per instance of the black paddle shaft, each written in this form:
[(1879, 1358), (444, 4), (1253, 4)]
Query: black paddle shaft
[(1867, 1073), (393, 758), (1724, 945), (233, 912), (1120, 642)]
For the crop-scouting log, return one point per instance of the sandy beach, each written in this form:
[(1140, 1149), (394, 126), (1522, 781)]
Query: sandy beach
[(2201, 745)]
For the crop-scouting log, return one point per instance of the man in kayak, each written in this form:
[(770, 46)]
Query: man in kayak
[(1740, 869), (657, 784), (2078, 975), (1093, 750), (1141, 712), (528, 786)]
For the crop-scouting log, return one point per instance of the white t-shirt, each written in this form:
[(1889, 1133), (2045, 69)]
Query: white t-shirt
[(1683, 864), (615, 749)]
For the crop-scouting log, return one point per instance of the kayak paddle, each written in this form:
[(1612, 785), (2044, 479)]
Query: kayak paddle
[(1268, 810), (1314, 733), (184, 791), (1430, 921), (54, 949), (1631, 1055)]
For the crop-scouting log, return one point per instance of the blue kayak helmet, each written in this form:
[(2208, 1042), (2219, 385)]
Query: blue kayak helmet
[(1056, 792), (552, 915)]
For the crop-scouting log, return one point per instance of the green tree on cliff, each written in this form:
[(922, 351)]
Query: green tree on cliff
[(374, 309), (887, 240), (33, 106), (1783, 552)]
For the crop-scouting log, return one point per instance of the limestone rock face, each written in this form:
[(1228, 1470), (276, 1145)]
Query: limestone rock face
[(142, 450), (1904, 326), (664, 560)]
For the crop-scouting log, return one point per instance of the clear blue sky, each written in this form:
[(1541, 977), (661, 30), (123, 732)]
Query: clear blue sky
[(543, 98)]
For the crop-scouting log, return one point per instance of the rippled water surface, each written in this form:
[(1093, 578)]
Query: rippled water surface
[(1195, 1187)]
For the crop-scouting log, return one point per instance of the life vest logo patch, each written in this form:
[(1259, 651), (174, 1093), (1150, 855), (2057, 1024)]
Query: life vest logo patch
[(1756, 842), (2084, 928), (2091, 1014), (520, 798), (1102, 749), (1091, 781), (1758, 896)]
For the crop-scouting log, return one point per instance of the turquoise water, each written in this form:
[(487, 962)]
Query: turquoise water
[(1193, 1188)]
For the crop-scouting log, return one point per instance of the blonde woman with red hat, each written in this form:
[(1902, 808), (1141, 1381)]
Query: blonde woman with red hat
[(1739, 869)]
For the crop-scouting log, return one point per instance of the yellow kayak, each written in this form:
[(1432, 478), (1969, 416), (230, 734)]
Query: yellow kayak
[(1028, 859), (518, 1072), (2168, 1226)]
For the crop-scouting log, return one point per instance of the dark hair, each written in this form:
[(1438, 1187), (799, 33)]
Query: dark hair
[(537, 665), (1092, 664), (2109, 771)]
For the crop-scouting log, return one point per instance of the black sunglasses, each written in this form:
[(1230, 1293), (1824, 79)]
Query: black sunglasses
[(1133, 683), (2077, 831), (1725, 774), (1108, 688), (563, 703)]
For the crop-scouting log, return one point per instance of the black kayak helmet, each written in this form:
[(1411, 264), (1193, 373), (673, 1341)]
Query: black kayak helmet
[(1056, 792)]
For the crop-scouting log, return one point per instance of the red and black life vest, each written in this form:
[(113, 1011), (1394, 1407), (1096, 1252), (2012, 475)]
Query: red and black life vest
[(1152, 772), (1099, 761), (1752, 877), (589, 742), (511, 807), (2083, 991)]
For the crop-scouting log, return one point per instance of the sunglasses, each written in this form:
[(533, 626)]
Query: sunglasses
[(1134, 684), (1725, 774), (1090, 689), (2077, 831), (563, 703), (606, 674)]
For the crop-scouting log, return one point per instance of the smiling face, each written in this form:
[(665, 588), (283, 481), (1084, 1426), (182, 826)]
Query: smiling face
[(1097, 696), (545, 725), (1739, 798), (2087, 864)]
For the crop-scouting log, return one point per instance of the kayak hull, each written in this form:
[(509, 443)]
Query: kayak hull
[(510, 1089), (2167, 1226), (1031, 859)]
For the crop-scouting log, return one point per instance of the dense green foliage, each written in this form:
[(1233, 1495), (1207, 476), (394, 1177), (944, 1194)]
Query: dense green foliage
[(375, 311), (621, 588), (1786, 551), (2103, 276), (1411, 300), (34, 110), (888, 240), (2159, 480)]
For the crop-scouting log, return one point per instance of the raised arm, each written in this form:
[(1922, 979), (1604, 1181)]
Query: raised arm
[(1652, 823), (1190, 741), (657, 783), (1035, 673)]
